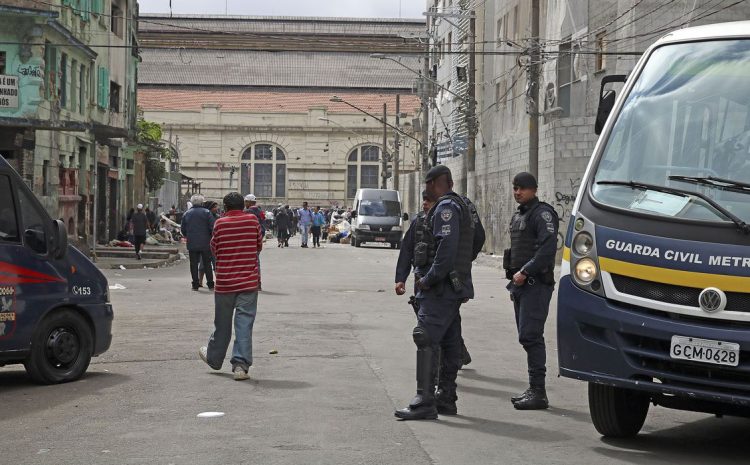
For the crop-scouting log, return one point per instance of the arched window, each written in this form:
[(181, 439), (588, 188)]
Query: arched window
[(263, 171), (362, 169)]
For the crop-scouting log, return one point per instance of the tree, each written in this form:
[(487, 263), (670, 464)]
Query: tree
[(148, 140)]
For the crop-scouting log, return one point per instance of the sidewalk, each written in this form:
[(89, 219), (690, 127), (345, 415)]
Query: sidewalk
[(153, 256)]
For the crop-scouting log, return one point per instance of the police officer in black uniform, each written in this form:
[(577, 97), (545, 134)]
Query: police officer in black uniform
[(443, 284), (530, 265)]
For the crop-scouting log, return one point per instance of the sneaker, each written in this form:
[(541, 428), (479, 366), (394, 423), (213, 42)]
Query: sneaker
[(203, 354), (240, 374)]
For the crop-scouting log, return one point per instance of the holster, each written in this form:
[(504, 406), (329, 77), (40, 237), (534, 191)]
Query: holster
[(506, 264)]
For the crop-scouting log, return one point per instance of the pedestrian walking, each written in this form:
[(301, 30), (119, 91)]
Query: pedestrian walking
[(294, 217), (213, 208), (443, 283), (139, 221), (196, 226), (282, 227), (236, 243), (319, 221), (305, 222), (530, 266), (252, 208)]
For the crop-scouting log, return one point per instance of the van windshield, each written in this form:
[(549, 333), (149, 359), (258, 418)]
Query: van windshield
[(685, 126), (379, 208)]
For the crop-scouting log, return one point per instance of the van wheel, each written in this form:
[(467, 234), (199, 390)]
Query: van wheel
[(61, 348), (617, 412), (356, 242)]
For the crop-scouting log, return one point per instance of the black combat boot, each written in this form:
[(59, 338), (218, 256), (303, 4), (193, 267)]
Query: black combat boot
[(446, 402), (521, 396), (423, 406), (536, 399)]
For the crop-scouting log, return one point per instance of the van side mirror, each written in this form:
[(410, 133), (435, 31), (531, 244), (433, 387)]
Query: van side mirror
[(354, 214), (606, 101), (406, 217), (61, 239)]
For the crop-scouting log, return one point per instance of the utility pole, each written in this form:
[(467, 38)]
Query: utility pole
[(532, 97), (471, 117), (384, 155), (396, 143), (426, 95)]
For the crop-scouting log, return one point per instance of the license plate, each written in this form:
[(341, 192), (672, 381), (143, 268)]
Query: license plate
[(380, 239), (705, 350)]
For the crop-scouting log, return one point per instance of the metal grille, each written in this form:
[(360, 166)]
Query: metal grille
[(652, 355), (380, 228), (678, 295)]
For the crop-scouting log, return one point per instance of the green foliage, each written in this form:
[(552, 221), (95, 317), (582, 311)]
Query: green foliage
[(155, 173), (148, 140)]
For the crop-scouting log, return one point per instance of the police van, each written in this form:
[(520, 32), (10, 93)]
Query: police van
[(54, 303), (654, 297)]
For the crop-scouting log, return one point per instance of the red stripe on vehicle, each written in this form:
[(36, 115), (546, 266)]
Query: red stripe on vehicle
[(21, 272)]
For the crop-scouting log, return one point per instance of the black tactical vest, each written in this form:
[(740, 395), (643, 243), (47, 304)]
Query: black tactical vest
[(424, 241), (522, 238), (465, 252)]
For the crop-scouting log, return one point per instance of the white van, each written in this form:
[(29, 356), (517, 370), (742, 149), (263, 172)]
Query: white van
[(377, 217)]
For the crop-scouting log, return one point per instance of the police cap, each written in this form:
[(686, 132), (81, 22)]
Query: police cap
[(437, 171), (425, 195), (525, 180)]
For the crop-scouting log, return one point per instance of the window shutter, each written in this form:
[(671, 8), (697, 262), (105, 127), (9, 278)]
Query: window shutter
[(105, 88)]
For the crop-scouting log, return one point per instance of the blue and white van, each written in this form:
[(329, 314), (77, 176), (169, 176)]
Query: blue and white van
[(54, 303)]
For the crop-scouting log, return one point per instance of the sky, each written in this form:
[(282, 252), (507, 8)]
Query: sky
[(335, 8)]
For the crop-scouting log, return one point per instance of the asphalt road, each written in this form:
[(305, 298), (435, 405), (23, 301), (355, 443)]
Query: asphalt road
[(345, 361)]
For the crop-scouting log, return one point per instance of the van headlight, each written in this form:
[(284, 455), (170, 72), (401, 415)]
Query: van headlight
[(364, 227), (583, 243), (396, 228), (586, 270)]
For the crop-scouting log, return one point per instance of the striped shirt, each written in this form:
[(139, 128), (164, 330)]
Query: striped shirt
[(236, 243)]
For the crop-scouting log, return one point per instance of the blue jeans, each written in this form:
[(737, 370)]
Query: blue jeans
[(246, 305), (304, 230)]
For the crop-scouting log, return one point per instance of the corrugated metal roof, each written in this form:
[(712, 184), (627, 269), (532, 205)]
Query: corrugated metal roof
[(199, 67), (280, 25)]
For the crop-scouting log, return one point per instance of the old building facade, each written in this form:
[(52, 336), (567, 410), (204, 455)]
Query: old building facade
[(278, 107), (69, 67), (581, 42)]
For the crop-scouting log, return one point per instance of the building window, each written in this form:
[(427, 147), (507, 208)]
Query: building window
[(73, 85), (116, 21), (114, 97), (601, 49), (82, 91), (565, 74), (63, 80), (50, 71), (2, 62), (263, 171), (363, 169)]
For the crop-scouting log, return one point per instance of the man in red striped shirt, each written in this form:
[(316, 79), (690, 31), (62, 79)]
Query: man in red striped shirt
[(235, 243)]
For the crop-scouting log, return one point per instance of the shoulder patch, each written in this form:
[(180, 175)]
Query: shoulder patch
[(547, 216), (446, 214)]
